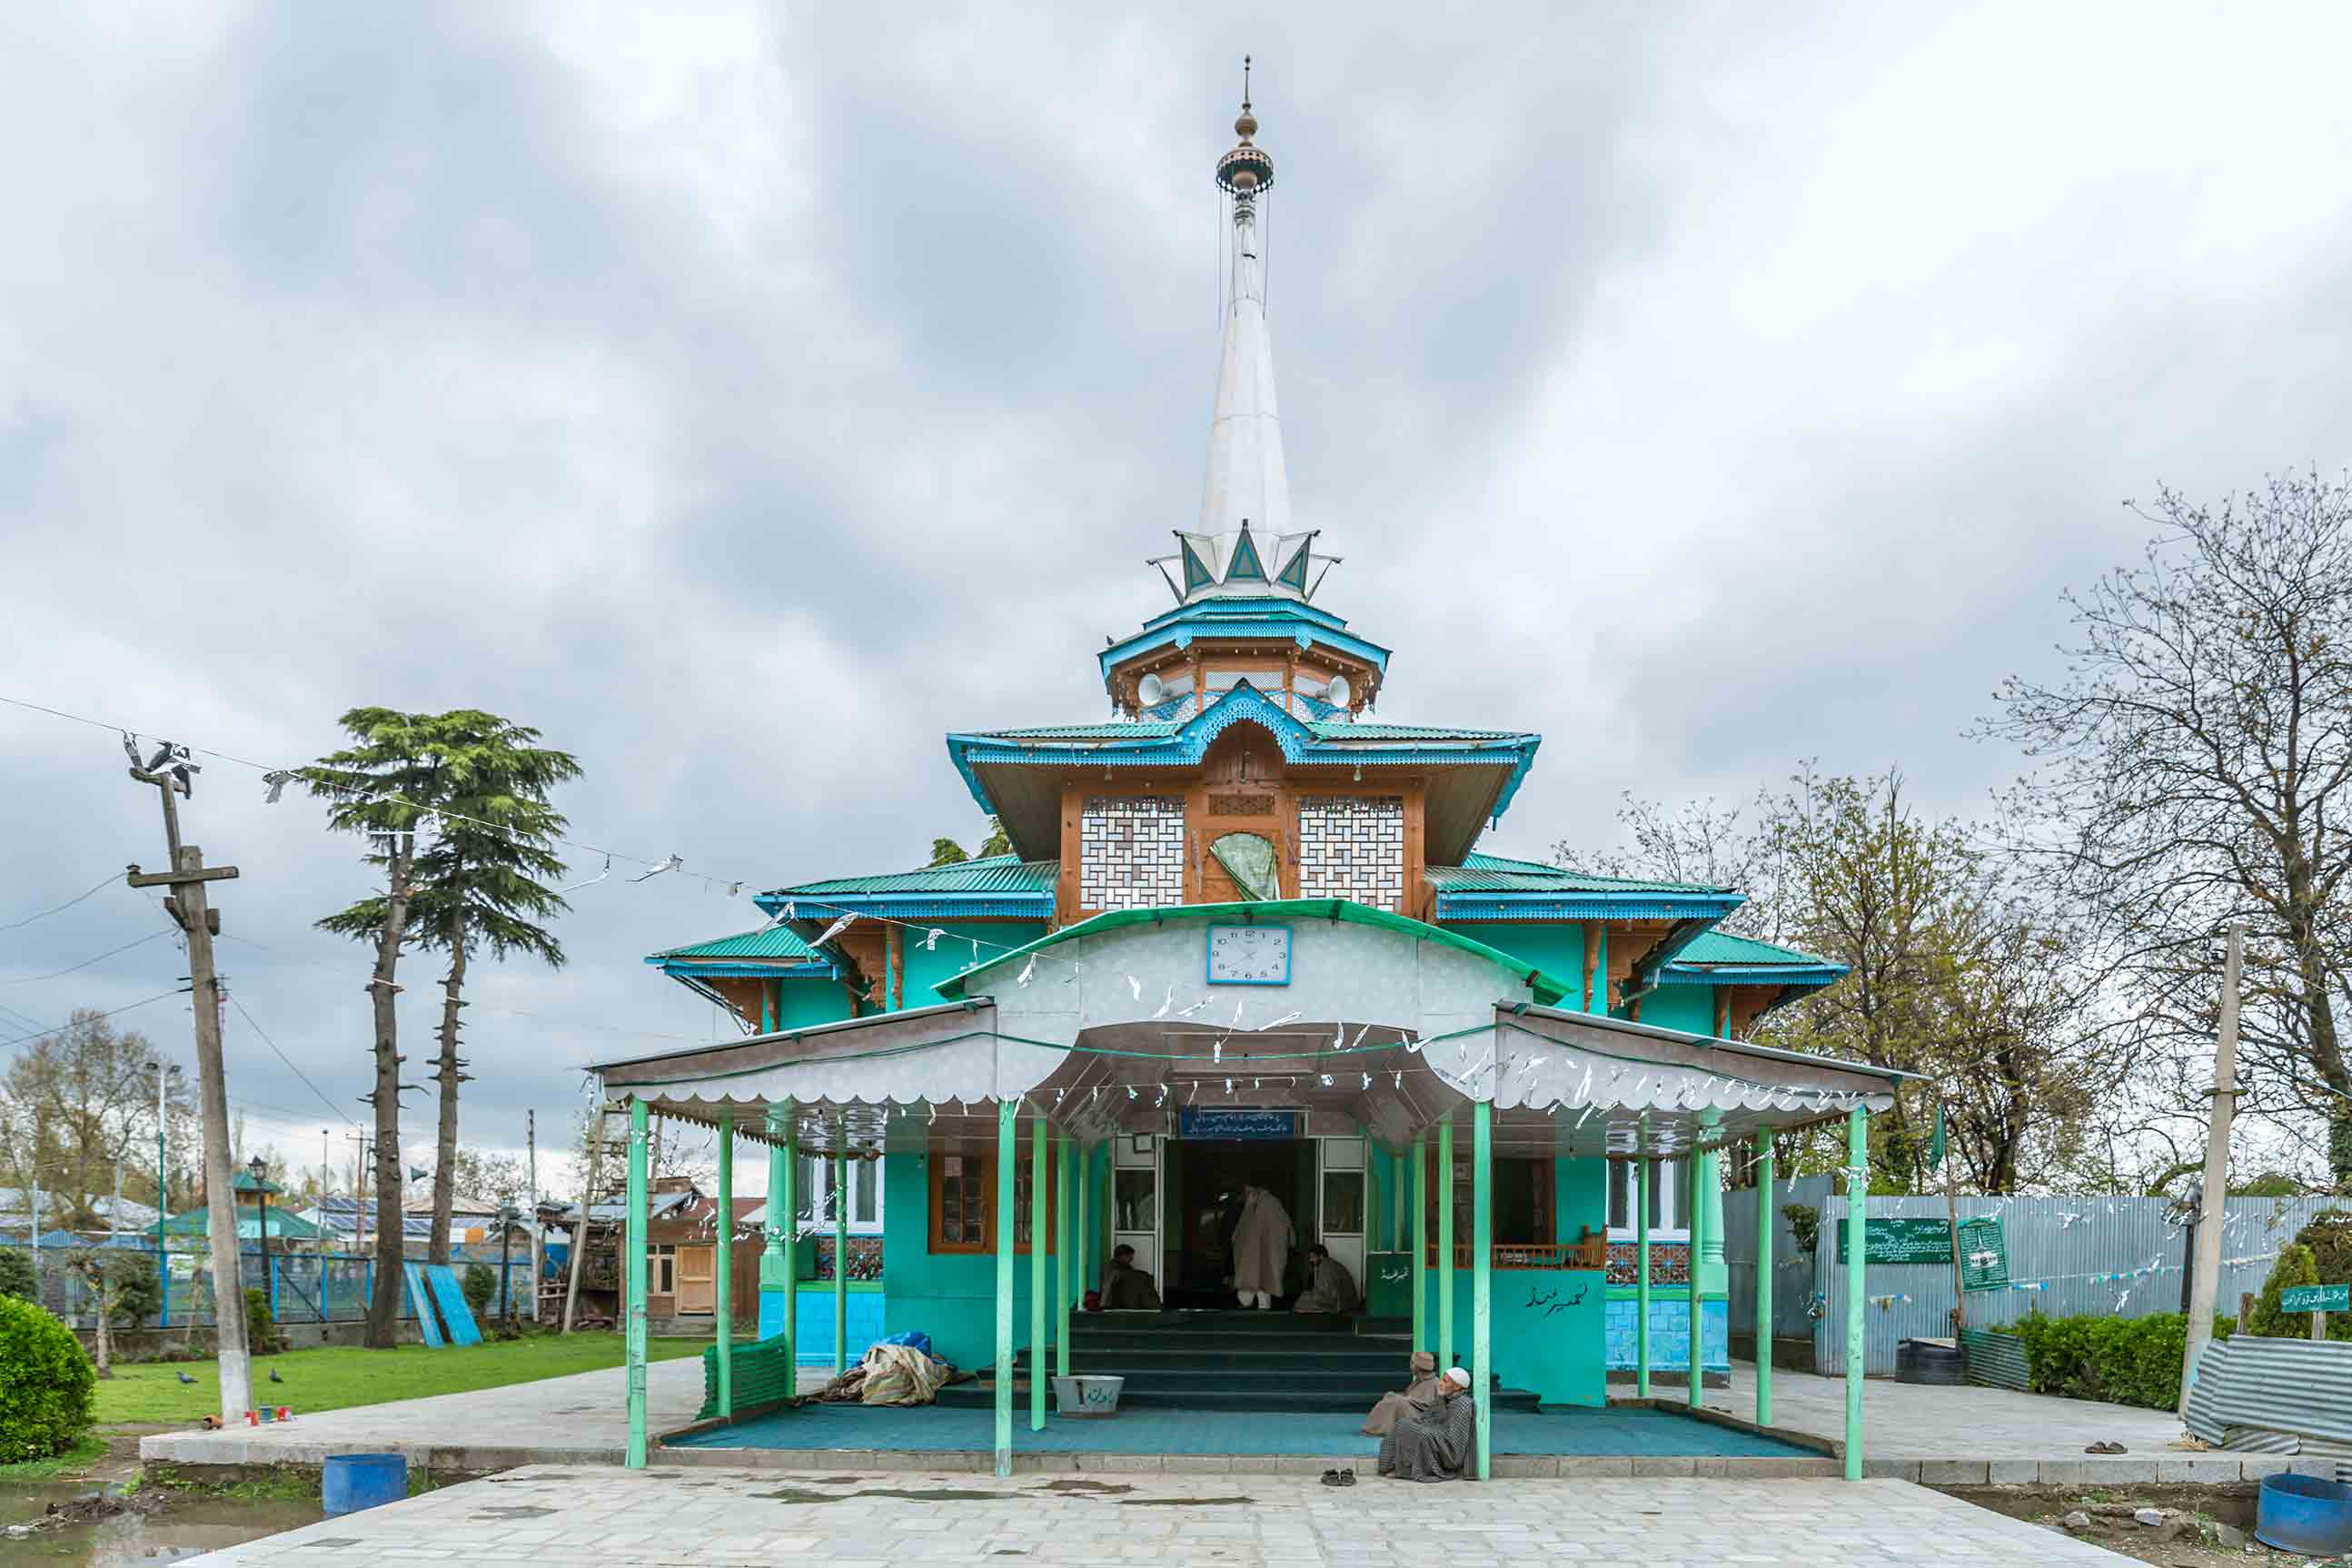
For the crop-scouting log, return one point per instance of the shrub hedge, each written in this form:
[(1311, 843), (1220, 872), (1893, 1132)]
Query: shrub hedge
[(48, 1385), (2125, 1360)]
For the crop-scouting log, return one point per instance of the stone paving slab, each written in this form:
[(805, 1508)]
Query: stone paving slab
[(547, 1515), (1970, 1437)]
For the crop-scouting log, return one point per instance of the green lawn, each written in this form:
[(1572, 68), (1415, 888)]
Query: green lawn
[(334, 1378)]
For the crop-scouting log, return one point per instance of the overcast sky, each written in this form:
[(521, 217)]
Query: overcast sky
[(747, 396)]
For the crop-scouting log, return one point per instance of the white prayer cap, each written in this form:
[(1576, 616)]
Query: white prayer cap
[(1459, 1377)]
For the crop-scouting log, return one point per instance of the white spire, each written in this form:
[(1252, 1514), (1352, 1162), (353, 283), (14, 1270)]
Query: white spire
[(1246, 479), (1245, 545)]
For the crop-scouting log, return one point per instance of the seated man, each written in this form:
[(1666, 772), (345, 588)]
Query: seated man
[(1125, 1288), (1330, 1287), (1439, 1444), (1421, 1393)]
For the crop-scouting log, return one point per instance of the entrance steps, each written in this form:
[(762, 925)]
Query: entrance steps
[(1231, 1361)]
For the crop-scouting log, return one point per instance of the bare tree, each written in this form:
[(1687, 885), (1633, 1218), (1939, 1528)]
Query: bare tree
[(2195, 764)]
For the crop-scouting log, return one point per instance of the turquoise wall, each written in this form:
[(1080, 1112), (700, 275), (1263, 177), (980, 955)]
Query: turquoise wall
[(927, 967), (949, 1296), (1690, 1008), (811, 1001), (813, 1322), (1669, 1333), (1556, 947), (1546, 1331)]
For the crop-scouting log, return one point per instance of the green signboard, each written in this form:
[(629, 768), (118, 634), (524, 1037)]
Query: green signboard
[(1901, 1241), (2316, 1299), (1984, 1254)]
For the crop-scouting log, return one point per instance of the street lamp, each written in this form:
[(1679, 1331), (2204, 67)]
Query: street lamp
[(261, 1189)]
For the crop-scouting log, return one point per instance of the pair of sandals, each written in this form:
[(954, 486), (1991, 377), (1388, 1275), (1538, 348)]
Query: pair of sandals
[(2107, 1449), (1340, 1478)]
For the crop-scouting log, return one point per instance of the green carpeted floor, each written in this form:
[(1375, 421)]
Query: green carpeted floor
[(1580, 1432)]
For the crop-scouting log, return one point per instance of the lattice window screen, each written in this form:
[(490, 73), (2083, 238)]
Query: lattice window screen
[(1352, 849), (1130, 853)]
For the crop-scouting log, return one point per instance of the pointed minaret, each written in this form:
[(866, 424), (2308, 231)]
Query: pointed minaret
[(1247, 485)]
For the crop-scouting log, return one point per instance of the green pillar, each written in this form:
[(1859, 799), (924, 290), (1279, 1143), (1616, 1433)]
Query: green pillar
[(1694, 1224), (1062, 1256), (1445, 1244), (840, 1251), (1082, 1247), (1643, 1174), (633, 1337), (1420, 1157), (1039, 1233), (1765, 1227), (725, 1282), (1857, 1327), (1008, 1149), (768, 995), (779, 1230), (1482, 1254)]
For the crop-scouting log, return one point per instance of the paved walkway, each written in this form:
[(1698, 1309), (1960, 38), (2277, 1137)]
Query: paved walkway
[(669, 1518), (1945, 1436)]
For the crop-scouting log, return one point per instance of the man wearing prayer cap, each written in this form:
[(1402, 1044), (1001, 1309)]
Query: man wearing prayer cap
[(1420, 1392), (1439, 1443)]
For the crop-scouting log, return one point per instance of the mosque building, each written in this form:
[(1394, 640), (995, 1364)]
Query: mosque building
[(1244, 940)]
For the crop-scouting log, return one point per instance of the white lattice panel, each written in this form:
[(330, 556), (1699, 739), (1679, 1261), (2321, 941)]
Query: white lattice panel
[(1352, 849), (1130, 853)]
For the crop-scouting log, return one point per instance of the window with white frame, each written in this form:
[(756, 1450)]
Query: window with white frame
[(1665, 1194), (814, 1187), (661, 1269)]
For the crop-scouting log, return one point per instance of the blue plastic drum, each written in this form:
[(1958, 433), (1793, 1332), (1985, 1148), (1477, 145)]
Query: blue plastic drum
[(350, 1482), (2304, 1513)]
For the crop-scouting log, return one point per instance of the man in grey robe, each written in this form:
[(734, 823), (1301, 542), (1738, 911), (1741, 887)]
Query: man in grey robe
[(1439, 1444), (1330, 1287), (1420, 1392)]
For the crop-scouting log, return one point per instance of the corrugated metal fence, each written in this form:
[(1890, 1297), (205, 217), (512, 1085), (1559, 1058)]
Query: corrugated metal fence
[(2062, 1254)]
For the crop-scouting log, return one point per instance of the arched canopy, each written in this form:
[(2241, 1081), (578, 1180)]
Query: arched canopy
[(1352, 1017)]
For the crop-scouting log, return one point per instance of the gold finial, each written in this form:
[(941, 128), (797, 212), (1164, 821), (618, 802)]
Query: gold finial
[(1246, 126)]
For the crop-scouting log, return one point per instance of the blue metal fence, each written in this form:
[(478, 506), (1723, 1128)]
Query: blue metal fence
[(303, 1287)]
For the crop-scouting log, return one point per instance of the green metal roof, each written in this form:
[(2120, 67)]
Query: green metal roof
[(1548, 988), (283, 1227), (992, 874), (1722, 947), (768, 941), (1497, 874)]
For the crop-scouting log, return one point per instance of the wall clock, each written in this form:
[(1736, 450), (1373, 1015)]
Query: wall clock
[(1249, 955)]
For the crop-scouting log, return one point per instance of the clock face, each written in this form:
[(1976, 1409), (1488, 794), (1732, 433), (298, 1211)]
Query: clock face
[(1249, 955)]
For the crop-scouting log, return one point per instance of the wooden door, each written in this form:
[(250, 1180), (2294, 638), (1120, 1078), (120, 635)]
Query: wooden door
[(696, 1281)]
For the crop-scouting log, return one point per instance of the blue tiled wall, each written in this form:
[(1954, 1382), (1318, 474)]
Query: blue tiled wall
[(812, 1325), (1670, 1334)]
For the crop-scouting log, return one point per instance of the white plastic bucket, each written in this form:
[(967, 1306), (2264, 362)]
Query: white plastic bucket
[(1091, 1397)]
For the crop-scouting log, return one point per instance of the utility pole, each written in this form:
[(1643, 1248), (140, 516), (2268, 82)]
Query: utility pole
[(168, 771), (2217, 1167), (530, 1160), (162, 1208), (587, 1204)]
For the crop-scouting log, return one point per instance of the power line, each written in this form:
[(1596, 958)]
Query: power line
[(45, 914), (92, 1018), (281, 1056), (663, 863), (86, 963)]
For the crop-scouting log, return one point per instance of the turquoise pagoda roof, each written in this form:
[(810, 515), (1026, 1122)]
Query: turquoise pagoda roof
[(1720, 958), (1484, 768), (1493, 888), (993, 887)]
